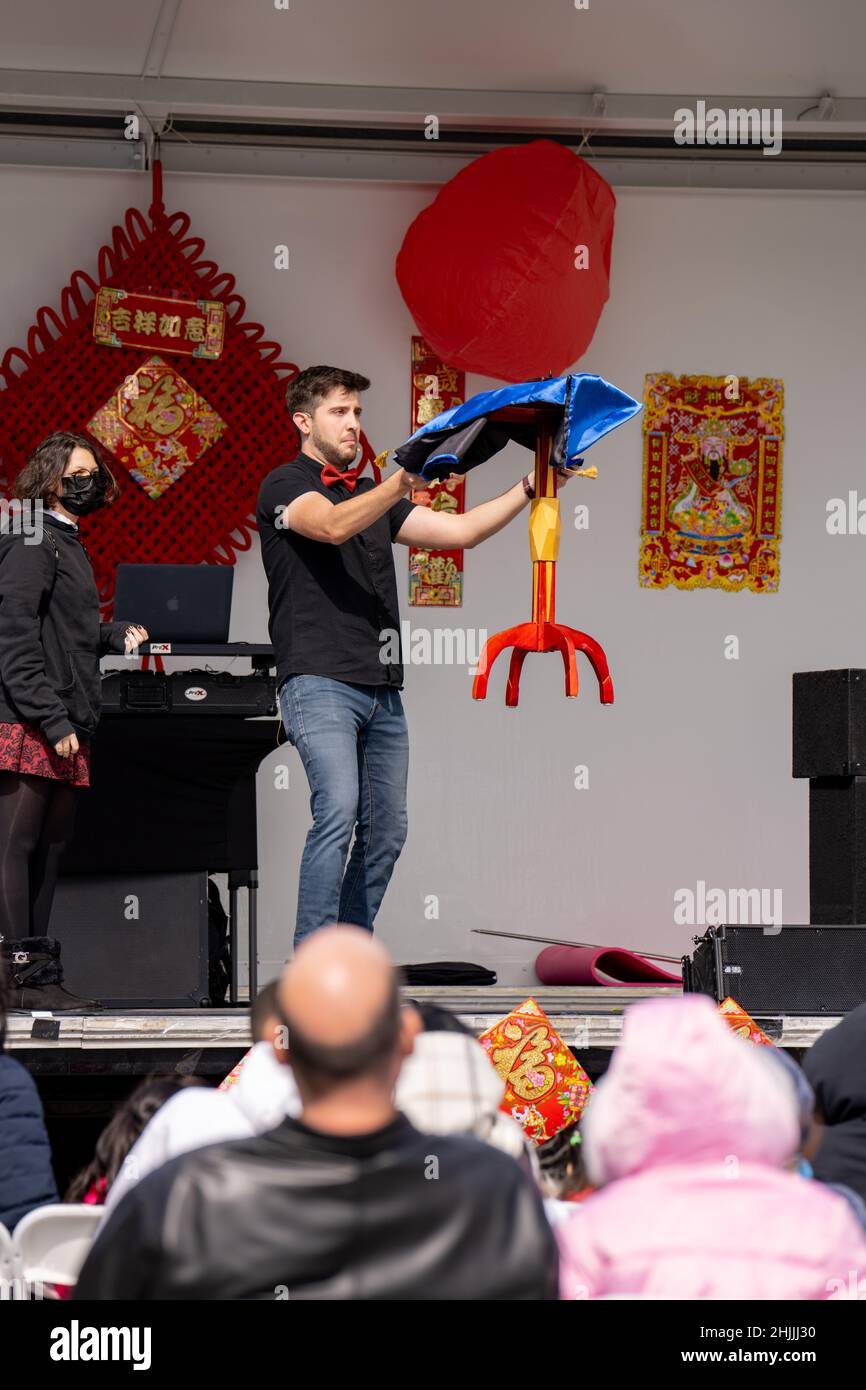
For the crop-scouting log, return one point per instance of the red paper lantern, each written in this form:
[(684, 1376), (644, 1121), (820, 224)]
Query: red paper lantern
[(490, 270)]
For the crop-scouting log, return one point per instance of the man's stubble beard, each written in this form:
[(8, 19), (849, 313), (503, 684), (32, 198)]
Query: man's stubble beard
[(331, 453)]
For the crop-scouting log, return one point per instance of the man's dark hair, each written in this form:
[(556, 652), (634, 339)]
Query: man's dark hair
[(123, 1129), (561, 1163), (264, 1006), (322, 1065), (41, 474), (312, 385)]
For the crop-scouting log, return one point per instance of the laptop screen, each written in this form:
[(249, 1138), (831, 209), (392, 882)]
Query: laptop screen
[(176, 603)]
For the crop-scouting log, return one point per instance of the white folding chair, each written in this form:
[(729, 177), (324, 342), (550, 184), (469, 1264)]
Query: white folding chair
[(51, 1243), (9, 1274)]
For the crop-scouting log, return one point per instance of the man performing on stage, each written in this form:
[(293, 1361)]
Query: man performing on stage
[(326, 537)]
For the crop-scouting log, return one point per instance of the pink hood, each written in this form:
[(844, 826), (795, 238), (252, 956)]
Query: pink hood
[(688, 1130), (682, 1088)]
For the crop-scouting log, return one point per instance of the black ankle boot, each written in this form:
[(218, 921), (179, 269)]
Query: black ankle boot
[(35, 977)]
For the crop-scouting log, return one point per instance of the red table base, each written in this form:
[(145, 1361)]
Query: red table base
[(542, 637)]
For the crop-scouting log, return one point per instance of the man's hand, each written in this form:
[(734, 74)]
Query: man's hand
[(563, 475), (408, 481), (67, 746)]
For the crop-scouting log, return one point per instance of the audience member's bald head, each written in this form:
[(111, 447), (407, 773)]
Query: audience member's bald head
[(340, 1000)]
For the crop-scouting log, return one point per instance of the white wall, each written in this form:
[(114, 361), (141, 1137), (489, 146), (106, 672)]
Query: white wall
[(690, 768)]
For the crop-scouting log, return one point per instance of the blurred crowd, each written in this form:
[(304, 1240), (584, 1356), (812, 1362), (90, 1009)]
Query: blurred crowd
[(361, 1152)]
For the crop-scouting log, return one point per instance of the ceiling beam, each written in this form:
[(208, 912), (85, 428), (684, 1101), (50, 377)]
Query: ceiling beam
[(160, 38), (397, 105), (425, 167)]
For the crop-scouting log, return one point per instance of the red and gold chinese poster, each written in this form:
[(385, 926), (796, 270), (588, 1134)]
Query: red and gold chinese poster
[(157, 425), (436, 576), (546, 1088), (712, 483)]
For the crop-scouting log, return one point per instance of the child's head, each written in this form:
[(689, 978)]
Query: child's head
[(560, 1162), (123, 1129)]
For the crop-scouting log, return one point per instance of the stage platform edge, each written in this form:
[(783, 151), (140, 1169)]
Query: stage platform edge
[(584, 1017)]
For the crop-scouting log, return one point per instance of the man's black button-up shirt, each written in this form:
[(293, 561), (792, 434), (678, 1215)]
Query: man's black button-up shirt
[(329, 604)]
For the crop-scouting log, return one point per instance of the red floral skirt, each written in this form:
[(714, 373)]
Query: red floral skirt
[(25, 749)]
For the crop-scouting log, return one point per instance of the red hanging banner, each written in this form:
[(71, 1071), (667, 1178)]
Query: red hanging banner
[(191, 327), (436, 576)]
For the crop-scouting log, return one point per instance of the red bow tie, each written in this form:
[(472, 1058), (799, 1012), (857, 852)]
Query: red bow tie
[(330, 475)]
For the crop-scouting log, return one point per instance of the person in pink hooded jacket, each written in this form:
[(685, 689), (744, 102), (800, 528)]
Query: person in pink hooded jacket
[(686, 1137)]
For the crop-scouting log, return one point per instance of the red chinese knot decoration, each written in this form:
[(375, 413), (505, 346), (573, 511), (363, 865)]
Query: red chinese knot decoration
[(189, 447), (507, 271)]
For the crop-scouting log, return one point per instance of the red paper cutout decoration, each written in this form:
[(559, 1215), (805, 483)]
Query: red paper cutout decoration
[(191, 442), (742, 1023), (493, 272), (546, 1088)]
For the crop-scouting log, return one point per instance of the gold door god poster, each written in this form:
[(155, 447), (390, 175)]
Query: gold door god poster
[(712, 483)]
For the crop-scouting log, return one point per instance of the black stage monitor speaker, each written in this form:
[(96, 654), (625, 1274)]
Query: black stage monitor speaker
[(829, 723), (787, 970), (134, 940)]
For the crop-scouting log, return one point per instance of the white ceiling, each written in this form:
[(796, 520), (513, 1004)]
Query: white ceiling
[(702, 47)]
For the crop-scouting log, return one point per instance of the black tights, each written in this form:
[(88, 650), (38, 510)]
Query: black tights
[(36, 819)]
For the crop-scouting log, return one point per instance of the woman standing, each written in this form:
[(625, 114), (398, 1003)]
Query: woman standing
[(51, 640)]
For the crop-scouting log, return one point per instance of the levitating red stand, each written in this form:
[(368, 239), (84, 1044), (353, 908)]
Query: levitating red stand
[(543, 633)]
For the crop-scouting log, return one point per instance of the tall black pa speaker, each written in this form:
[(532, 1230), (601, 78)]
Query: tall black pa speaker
[(793, 970), (829, 727), (829, 723), (134, 940)]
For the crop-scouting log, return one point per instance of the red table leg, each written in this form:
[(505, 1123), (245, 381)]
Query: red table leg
[(595, 653)]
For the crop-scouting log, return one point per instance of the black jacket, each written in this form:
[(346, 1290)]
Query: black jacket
[(302, 1215), (836, 1068), (51, 638), (26, 1177)]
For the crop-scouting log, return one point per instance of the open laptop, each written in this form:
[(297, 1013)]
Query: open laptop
[(176, 603)]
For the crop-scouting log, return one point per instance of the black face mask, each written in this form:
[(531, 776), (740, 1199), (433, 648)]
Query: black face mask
[(82, 495)]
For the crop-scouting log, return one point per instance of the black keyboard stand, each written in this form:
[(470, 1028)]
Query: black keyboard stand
[(261, 654), (137, 756), (249, 879)]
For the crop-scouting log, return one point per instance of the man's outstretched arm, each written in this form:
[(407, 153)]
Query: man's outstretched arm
[(453, 531), (313, 516), (463, 530)]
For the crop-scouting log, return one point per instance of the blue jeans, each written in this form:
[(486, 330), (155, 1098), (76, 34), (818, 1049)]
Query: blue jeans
[(354, 744)]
